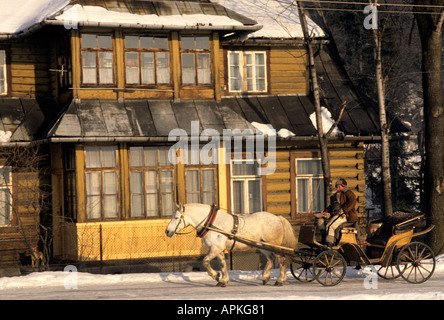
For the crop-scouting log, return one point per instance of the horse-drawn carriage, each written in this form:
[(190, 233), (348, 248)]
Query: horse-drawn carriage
[(388, 247)]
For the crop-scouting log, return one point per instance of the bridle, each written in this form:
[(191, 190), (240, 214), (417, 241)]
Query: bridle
[(209, 219)]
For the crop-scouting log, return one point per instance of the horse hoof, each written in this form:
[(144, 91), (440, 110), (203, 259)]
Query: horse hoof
[(264, 282), (221, 284), (279, 284)]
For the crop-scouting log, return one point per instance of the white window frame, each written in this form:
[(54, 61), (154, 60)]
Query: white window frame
[(4, 76), (6, 184), (245, 179), (243, 71), (310, 178)]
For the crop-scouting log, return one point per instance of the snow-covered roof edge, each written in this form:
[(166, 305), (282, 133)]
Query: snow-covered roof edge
[(29, 17)]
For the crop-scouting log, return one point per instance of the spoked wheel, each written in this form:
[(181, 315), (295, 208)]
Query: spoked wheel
[(389, 272), (416, 262), (301, 267), (329, 268)]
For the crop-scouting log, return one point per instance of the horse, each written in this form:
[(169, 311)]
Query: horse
[(259, 226)]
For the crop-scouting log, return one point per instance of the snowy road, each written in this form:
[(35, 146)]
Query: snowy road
[(244, 285)]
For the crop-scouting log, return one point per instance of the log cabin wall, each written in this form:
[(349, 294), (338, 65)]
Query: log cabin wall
[(347, 161)]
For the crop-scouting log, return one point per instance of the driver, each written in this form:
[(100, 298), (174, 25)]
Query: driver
[(342, 209)]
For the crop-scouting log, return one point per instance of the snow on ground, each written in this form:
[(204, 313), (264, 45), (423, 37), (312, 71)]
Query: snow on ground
[(244, 285)]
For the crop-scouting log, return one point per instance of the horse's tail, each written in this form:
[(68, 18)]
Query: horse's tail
[(289, 238)]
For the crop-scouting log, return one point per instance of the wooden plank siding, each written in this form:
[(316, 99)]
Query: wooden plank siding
[(287, 70), (345, 162), (29, 68)]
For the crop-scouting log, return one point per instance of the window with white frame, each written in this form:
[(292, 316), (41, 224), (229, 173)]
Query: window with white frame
[(246, 186), (152, 182), (5, 195), (101, 182), (309, 185), (3, 73), (247, 71)]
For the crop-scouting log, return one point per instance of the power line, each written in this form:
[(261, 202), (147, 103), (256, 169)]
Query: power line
[(368, 3)]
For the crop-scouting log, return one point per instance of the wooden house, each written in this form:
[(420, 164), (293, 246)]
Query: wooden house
[(119, 76)]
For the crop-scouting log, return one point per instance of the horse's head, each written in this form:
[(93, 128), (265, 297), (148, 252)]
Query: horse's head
[(177, 222)]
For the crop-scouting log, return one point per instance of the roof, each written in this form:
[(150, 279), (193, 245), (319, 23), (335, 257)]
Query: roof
[(169, 15), (280, 19), (150, 119), (31, 13), (142, 118), (156, 14), (24, 119), (361, 114)]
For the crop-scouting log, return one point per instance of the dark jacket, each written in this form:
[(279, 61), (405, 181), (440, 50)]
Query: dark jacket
[(347, 200)]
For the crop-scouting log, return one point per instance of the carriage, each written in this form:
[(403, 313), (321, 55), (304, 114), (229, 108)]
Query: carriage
[(388, 247)]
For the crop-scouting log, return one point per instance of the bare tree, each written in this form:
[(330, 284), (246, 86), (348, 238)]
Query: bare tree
[(323, 138), (430, 29), (385, 129), (26, 199)]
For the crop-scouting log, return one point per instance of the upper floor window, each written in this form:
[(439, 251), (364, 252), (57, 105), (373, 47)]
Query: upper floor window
[(3, 73), (247, 71), (97, 59), (147, 60), (309, 185), (196, 66)]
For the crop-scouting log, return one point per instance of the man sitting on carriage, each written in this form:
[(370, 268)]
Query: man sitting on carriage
[(342, 209)]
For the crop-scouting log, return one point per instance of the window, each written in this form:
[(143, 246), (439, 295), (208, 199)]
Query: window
[(196, 66), (97, 59), (5, 195), (152, 182), (247, 71), (147, 60), (3, 73), (246, 187), (101, 182), (309, 185)]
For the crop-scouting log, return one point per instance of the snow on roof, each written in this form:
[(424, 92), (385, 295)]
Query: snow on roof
[(19, 15), (280, 19), (98, 15)]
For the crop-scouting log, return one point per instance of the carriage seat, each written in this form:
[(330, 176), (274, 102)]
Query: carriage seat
[(397, 223)]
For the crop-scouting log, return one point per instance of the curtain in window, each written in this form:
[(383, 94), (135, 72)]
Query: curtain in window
[(208, 186), (151, 194), (93, 195)]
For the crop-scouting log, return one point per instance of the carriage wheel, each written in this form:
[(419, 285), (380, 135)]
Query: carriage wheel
[(416, 262), (302, 269), (389, 272), (329, 268)]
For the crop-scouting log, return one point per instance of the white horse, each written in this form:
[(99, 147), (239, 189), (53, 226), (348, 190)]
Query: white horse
[(259, 226)]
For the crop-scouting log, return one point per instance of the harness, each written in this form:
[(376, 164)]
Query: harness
[(209, 221)]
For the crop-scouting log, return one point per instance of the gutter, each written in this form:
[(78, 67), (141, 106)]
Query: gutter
[(113, 25), (367, 139)]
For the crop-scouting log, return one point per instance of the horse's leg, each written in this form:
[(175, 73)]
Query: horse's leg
[(283, 271), (214, 252), (223, 268), (268, 266)]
